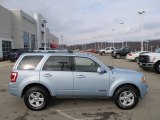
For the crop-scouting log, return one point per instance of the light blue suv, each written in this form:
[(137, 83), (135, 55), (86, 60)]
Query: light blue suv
[(37, 77)]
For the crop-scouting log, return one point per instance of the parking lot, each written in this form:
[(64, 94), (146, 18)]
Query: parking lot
[(13, 108)]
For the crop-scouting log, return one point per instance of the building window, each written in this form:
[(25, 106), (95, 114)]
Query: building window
[(33, 42), (6, 48), (26, 39)]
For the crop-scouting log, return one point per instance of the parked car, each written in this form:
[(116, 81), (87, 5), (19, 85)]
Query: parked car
[(15, 53), (97, 51), (118, 53), (91, 50), (134, 56), (107, 50), (150, 61), (37, 77)]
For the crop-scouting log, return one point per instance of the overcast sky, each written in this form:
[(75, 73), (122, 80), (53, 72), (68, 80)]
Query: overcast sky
[(85, 21)]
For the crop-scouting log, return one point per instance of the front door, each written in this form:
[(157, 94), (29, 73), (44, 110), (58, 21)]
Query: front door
[(87, 81), (57, 74)]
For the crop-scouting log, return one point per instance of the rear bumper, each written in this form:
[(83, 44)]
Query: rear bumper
[(129, 58), (13, 90)]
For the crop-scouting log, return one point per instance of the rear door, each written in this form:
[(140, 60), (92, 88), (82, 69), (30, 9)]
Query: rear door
[(57, 74)]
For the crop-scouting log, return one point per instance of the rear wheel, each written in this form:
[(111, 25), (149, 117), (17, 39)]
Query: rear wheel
[(118, 56), (36, 98), (102, 53), (157, 68), (126, 97)]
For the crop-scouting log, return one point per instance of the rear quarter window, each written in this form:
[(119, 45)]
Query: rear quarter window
[(29, 62)]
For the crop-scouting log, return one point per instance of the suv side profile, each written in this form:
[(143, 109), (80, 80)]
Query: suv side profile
[(107, 50), (118, 53), (37, 77)]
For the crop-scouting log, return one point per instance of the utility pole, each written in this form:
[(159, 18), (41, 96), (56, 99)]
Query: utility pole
[(62, 42)]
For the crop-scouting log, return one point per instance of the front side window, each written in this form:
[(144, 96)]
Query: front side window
[(29, 62), (57, 63), (85, 65)]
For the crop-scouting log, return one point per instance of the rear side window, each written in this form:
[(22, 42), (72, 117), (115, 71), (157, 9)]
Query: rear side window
[(57, 63), (29, 62)]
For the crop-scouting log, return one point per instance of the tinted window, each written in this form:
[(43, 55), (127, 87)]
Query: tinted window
[(29, 62), (126, 50), (85, 65), (57, 63)]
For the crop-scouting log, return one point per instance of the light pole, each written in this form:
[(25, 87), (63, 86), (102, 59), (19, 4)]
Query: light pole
[(44, 36), (114, 36), (141, 13), (122, 23), (62, 41), (145, 47), (151, 48)]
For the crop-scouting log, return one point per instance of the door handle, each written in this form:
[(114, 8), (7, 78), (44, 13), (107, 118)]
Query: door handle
[(47, 75), (80, 76)]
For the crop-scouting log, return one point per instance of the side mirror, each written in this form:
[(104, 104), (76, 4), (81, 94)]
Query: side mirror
[(101, 70)]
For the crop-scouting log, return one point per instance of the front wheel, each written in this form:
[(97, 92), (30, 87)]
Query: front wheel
[(36, 98), (157, 68), (126, 97)]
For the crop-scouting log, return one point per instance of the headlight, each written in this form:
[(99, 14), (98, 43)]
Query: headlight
[(143, 79)]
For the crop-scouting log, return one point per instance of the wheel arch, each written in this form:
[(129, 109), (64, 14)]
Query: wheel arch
[(127, 84), (33, 85), (156, 63)]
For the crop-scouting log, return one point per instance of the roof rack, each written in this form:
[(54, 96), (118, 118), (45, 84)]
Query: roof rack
[(52, 51)]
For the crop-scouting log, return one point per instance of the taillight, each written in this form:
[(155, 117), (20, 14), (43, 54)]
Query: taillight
[(14, 76), (130, 54)]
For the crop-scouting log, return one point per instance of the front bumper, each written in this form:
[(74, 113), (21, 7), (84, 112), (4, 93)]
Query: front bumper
[(144, 89), (146, 65)]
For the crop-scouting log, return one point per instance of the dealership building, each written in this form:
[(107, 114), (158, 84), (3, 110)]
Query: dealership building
[(20, 30)]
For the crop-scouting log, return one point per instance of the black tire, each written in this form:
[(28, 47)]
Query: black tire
[(144, 68), (102, 53), (157, 68), (43, 93), (118, 56), (12, 60), (136, 59), (120, 92)]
